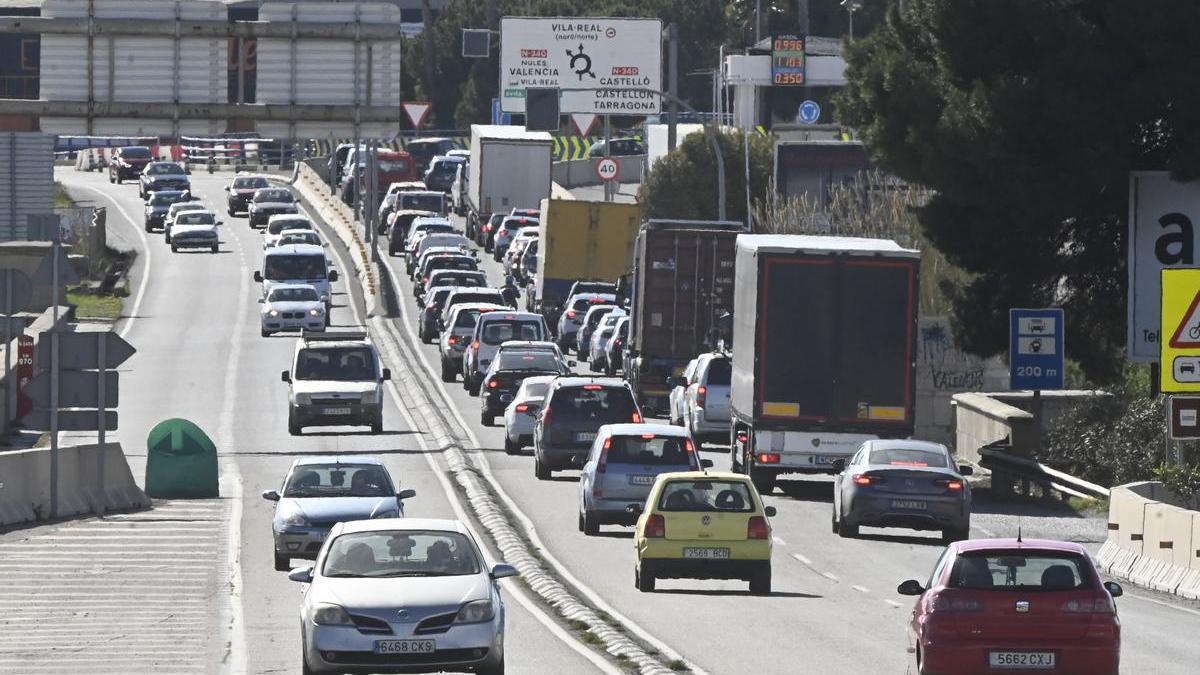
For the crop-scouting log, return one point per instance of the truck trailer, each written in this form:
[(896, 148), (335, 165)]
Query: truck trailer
[(509, 169)]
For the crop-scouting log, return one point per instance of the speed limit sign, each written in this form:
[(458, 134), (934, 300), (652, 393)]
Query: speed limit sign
[(607, 169)]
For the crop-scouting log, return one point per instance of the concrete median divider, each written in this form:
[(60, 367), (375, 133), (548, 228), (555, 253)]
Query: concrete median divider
[(1153, 540), (25, 483)]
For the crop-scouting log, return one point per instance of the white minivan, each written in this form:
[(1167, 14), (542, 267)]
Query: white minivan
[(298, 264)]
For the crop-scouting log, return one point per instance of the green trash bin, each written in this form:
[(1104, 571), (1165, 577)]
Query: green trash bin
[(181, 462)]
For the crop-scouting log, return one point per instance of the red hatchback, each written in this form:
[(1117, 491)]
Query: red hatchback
[(1013, 606)]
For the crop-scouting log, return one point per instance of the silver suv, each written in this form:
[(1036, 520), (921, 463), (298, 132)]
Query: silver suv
[(574, 411)]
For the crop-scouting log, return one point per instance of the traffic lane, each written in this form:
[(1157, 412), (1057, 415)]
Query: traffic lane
[(690, 615)]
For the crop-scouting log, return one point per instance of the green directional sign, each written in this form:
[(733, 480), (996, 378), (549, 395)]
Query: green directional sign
[(181, 461)]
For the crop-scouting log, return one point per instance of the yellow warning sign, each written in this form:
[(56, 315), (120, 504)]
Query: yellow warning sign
[(1179, 335)]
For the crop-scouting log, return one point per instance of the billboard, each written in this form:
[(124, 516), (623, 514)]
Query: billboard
[(606, 57), (787, 60)]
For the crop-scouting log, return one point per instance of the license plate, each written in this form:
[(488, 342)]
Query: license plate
[(335, 411), (405, 646), (706, 553), (585, 436), (505, 398), (827, 459), (1025, 660), (910, 504), (641, 480)]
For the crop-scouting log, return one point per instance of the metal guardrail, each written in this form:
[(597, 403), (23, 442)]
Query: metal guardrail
[(1007, 469)]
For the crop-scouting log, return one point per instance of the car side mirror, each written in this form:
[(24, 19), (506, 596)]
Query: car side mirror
[(572, 363), (635, 509), (707, 464), (387, 374), (285, 376), (407, 493), (333, 275), (302, 575), (262, 301), (910, 587), (966, 470), (1114, 589), (501, 571), (258, 276), (220, 222), (271, 496), (839, 465), (769, 511)]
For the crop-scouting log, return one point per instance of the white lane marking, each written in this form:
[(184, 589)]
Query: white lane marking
[(779, 540), (527, 525), (830, 575), (453, 497), (861, 589), (893, 603), (134, 311), (1162, 603), (802, 559)]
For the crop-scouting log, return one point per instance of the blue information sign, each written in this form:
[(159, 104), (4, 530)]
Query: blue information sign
[(1035, 348), (498, 116), (810, 112)]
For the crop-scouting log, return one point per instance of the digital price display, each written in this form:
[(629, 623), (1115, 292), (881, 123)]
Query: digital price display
[(787, 60)]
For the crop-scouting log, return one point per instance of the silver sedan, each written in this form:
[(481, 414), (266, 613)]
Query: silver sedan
[(900, 483), (402, 595)]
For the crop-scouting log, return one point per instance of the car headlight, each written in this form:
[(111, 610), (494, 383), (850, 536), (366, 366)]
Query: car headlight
[(303, 399), (295, 518), (476, 611), (370, 398), (273, 313), (326, 614), (316, 311)]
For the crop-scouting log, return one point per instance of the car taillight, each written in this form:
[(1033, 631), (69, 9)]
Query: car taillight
[(637, 418), (756, 528), (1099, 605), (475, 346), (950, 484), (656, 526), (768, 458), (602, 464), (701, 395), (546, 416), (942, 603), (492, 384), (521, 407), (866, 479), (453, 340), (425, 279), (691, 453), (571, 314), (742, 437)]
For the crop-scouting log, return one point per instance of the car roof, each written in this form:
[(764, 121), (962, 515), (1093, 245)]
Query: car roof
[(1009, 544), (590, 295), (632, 429), (288, 216), (512, 314), (434, 193), (286, 287), (706, 475), (539, 379), (580, 380), (337, 459), (296, 249), (474, 305), (900, 443), (385, 524)]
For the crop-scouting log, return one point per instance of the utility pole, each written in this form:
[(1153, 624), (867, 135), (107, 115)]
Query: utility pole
[(802, 16), (672, 84)]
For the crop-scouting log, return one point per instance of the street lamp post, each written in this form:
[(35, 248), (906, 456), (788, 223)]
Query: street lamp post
[(852, 6)]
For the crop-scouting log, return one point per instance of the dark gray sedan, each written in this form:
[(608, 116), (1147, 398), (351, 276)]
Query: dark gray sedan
[(899, 483)]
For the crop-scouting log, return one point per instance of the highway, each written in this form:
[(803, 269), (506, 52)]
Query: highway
[(193, 317)]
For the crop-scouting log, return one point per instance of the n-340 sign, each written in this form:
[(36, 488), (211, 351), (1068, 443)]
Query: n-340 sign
[(1163, 218)]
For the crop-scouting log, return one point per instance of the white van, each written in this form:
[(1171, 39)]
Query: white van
[(298, 264)]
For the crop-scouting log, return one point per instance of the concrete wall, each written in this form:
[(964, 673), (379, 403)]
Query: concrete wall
[(944, 370), (1152, 541), (25, 483), (980, 420), (579, 172)]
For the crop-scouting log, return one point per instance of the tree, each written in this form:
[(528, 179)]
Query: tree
[(682, 184), (1025, 117)]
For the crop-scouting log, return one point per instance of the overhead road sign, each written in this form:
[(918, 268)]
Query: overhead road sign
[(1036, 348), (1179, 352), (606, 57)]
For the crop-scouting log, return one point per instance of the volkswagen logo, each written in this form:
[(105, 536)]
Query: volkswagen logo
[(403, 614), (705, 519)]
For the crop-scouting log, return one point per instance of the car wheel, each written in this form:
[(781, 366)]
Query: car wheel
[(118, 179), (149, 227), (846, 530), (215, 248), (174, 248), (511, 448), (448, 373), (294, 428), (110, 178), (492, 669), (266, 333), (643, 577), (473, 391), (764, 481), (305, 669), (760, 580), (282, 563), (486, 419), (834, 525), (231, 212), (541, 471), (591, 524), (377, 426)]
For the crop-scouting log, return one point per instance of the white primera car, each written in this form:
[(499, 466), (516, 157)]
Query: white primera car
[(293, 307)]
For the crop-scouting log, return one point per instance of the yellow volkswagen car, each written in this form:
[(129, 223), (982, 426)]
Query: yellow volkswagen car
[(703, 525)]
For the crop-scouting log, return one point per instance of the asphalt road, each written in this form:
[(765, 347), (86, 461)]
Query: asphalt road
[(200, 356)]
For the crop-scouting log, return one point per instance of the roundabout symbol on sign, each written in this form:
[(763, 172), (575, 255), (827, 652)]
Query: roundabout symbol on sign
[(607, 169)]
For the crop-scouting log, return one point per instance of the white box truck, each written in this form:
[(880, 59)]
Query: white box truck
[(509, 169)]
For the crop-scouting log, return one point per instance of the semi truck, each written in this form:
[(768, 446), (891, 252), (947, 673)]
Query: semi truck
[(580, 241), (509, 169), (823, 351), (682, 286)]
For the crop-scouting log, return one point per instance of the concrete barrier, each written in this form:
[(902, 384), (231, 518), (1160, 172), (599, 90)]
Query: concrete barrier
[(25, 483), (1153, 540)]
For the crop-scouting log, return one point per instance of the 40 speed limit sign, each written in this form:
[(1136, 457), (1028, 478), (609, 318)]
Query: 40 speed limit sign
[(607, 169)]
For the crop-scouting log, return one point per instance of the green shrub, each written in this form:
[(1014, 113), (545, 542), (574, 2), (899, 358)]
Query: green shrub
[(1183, 481)]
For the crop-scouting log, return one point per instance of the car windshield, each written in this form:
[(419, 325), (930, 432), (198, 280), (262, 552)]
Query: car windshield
[(584, 303), (167, 168), (393, 165), (650, 450), (1023, 570), (517, 360), (478, 296), (188, 206), (295, 266), (294, 295), (249, 183), (421, 202), (401, 553), (595, 317), (718, 372), (280, 195), (467, 318), (135, 152), (277, 226), (594, 403), (164, 199), (535, 389), (451, 263), (908, 457), (342, 364), (338, 480), (299, 237), (503, 330), (705, 495), (195, 218)]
